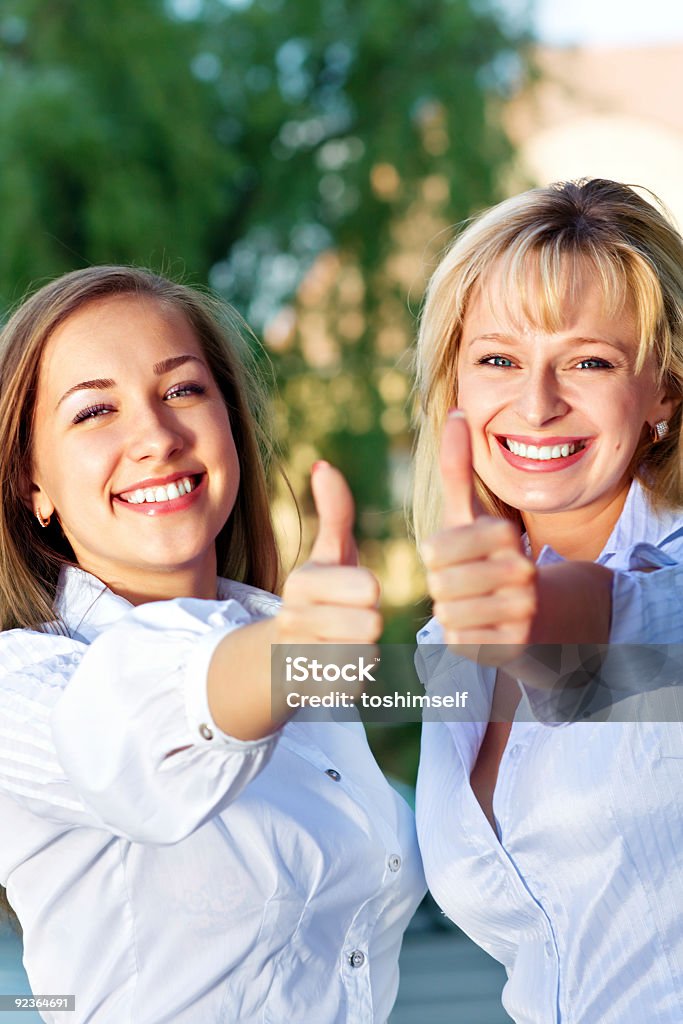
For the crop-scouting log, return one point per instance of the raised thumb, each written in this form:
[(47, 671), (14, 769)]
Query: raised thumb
[(334, 543), (457, 474)]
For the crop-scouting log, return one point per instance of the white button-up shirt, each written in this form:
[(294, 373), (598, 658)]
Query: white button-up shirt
[(580, 895), (266, 881)]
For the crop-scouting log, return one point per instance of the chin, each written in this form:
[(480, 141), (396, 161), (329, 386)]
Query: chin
[(538, 503)]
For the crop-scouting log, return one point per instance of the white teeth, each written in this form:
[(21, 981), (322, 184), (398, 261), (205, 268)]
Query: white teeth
[(541, 453), (152, 495)]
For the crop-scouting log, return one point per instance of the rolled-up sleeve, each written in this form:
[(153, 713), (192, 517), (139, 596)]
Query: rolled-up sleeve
[(647, 599), (124, 728)]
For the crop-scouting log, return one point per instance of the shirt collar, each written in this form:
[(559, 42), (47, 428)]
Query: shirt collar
[(640, 522), (88, 607)]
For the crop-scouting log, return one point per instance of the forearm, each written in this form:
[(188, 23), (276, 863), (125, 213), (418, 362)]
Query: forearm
[(241, 697), (574, 604), (573, 613)]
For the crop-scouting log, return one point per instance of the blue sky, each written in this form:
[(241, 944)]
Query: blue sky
[(605, 22)]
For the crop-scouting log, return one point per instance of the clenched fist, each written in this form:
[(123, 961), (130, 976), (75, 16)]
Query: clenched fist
[(482, 584), (330, 599)]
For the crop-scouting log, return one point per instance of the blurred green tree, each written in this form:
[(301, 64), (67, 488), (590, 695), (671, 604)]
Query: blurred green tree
[(241, 137), (297, 155)]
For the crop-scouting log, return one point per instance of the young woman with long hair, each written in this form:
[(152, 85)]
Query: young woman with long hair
[(175, 845)]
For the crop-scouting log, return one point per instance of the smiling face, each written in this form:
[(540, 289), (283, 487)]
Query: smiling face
[(132, 448), (557, 416)]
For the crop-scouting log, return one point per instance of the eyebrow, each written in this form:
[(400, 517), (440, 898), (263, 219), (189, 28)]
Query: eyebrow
[(104, 383), (511, 339)]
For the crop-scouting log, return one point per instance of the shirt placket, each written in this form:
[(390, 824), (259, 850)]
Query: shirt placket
[(547, 970), (355, 948)]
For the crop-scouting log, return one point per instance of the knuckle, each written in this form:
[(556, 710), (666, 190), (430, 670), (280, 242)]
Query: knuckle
[(507, 532), (522, 568), (517, 632), (287, 619), (436, 585), (519, 602), (428, 551), (367, 586), (443, 612), (374, 626), (525, 609), (294, 584), (374, 589)]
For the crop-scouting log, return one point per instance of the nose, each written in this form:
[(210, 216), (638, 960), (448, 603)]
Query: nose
[(540, 398), (154, 434)]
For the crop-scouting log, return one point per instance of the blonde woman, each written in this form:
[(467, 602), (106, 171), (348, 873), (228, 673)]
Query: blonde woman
[(555, 325), (174, 848)]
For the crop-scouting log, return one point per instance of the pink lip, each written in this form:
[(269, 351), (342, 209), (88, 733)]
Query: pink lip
[(542, 465), (164, 508)]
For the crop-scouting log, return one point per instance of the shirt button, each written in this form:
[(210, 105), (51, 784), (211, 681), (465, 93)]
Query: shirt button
[(548, 949), (394, 862), (205, 732), (333, 774), (357, 958), (515, 751)]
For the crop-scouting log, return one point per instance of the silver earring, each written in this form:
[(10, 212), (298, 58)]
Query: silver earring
[(43, 522), (659, 431)]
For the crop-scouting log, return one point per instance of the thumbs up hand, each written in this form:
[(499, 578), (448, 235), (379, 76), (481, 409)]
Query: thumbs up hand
[(331, 599), (482, 584)]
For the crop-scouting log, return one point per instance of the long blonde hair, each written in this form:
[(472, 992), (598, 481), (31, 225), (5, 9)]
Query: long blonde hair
[(544, 238), (31, 558)]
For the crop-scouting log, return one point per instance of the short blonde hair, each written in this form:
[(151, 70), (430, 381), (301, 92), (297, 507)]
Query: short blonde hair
[(30, 558), (546, 236)]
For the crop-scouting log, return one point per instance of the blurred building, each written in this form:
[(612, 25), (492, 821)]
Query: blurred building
[(605, 112)]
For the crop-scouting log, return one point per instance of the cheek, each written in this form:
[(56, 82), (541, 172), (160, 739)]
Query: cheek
[(90, 462), (480, 395), (625, 413), (232, 468), (226, 452), (80, 475), (480, 408)]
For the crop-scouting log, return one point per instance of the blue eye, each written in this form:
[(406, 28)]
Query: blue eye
[(594, 364), (496, 361), (91, 412)]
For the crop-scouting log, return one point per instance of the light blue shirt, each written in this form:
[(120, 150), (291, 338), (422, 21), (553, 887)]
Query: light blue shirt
[(581, 894)]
